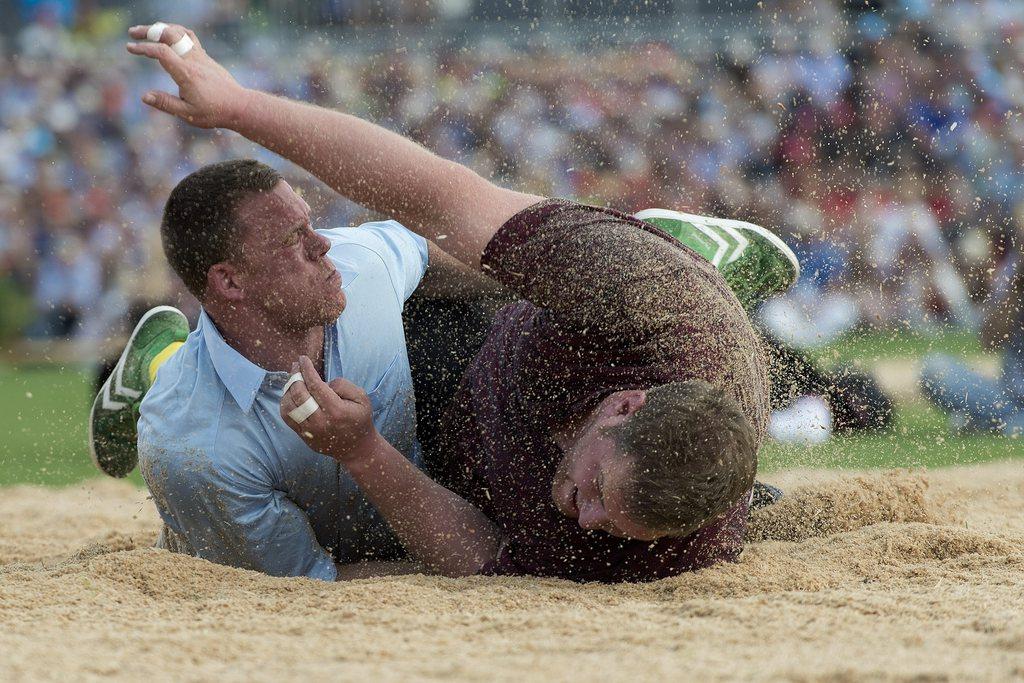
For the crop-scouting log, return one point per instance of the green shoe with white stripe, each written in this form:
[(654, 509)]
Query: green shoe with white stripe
[(115, 411), (756, 264)]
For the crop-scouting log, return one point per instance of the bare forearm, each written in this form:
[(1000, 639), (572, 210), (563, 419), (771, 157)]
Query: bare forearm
[(362, 161), (437, 527), (437, 198)]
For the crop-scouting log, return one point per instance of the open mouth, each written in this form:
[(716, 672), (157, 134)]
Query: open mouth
[(576, 502)]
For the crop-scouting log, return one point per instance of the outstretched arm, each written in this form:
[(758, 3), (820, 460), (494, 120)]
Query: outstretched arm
[(438, 198), (360, 160)]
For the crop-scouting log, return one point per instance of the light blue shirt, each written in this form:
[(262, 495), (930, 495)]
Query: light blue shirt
[(231, 481)]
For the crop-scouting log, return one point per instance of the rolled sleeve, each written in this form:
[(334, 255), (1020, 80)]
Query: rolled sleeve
[(615, 560), (229, 516)]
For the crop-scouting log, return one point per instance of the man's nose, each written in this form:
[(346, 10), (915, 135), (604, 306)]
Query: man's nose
[(319, 245), (591, 517)]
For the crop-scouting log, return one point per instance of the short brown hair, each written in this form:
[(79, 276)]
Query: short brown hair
[(695, 456), (199, 227)]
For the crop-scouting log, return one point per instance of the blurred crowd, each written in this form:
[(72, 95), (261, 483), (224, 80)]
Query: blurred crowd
[(887, 149)]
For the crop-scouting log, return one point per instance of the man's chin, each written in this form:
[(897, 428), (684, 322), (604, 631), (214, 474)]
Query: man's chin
[(332, 309), (339, 305)]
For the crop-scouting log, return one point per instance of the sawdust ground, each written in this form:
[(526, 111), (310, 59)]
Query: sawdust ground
[(881, 575)]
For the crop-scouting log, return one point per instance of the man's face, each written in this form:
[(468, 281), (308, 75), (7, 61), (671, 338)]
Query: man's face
[(283, 264), (591, 483)]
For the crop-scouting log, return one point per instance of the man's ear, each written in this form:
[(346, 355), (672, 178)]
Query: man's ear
[(225, 281), (618, 407)]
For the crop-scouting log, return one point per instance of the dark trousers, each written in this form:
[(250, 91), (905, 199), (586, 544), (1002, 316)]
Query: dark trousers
[(442, 336)]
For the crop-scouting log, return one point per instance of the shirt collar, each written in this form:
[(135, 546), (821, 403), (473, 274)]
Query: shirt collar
[(241, 376)]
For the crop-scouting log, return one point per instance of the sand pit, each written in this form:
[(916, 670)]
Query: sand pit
[(885, 576)]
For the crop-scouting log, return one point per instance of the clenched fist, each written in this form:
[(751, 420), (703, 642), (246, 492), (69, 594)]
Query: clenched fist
[(208, 96)]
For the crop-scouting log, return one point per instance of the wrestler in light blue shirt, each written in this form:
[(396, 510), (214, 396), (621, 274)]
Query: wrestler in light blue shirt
[(231, 481)]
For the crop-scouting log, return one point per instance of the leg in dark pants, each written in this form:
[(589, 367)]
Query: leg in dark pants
[(443, 336), (857, 402)]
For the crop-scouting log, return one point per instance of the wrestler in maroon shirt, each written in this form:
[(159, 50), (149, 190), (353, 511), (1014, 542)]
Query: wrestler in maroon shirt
[(608, 428), (612, 306)]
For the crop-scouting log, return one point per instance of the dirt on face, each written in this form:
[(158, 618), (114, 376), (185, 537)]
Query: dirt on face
[(898, 575)]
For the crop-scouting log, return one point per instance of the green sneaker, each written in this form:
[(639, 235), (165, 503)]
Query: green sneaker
[(115, 411), (756, 264)]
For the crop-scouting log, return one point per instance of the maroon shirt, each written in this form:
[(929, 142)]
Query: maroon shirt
[(610, 303)]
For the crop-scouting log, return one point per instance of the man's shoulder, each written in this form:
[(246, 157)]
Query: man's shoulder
[(373, 239), (183, 413), (364, 232), (185, 389), (360, 254)]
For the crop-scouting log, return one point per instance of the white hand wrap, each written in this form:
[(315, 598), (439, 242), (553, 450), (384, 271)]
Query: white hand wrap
[(183, 46), (308, 407), (302, 413), (155, 32), (297, 377)]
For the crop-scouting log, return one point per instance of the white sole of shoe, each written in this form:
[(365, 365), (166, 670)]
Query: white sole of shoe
[(774, 239)]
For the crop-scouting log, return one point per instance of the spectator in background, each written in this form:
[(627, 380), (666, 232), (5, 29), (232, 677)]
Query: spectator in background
[(975, 401), (861, 135), (912, 258)]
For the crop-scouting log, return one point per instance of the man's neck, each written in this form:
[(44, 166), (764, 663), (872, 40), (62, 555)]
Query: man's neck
[(267, 346)]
